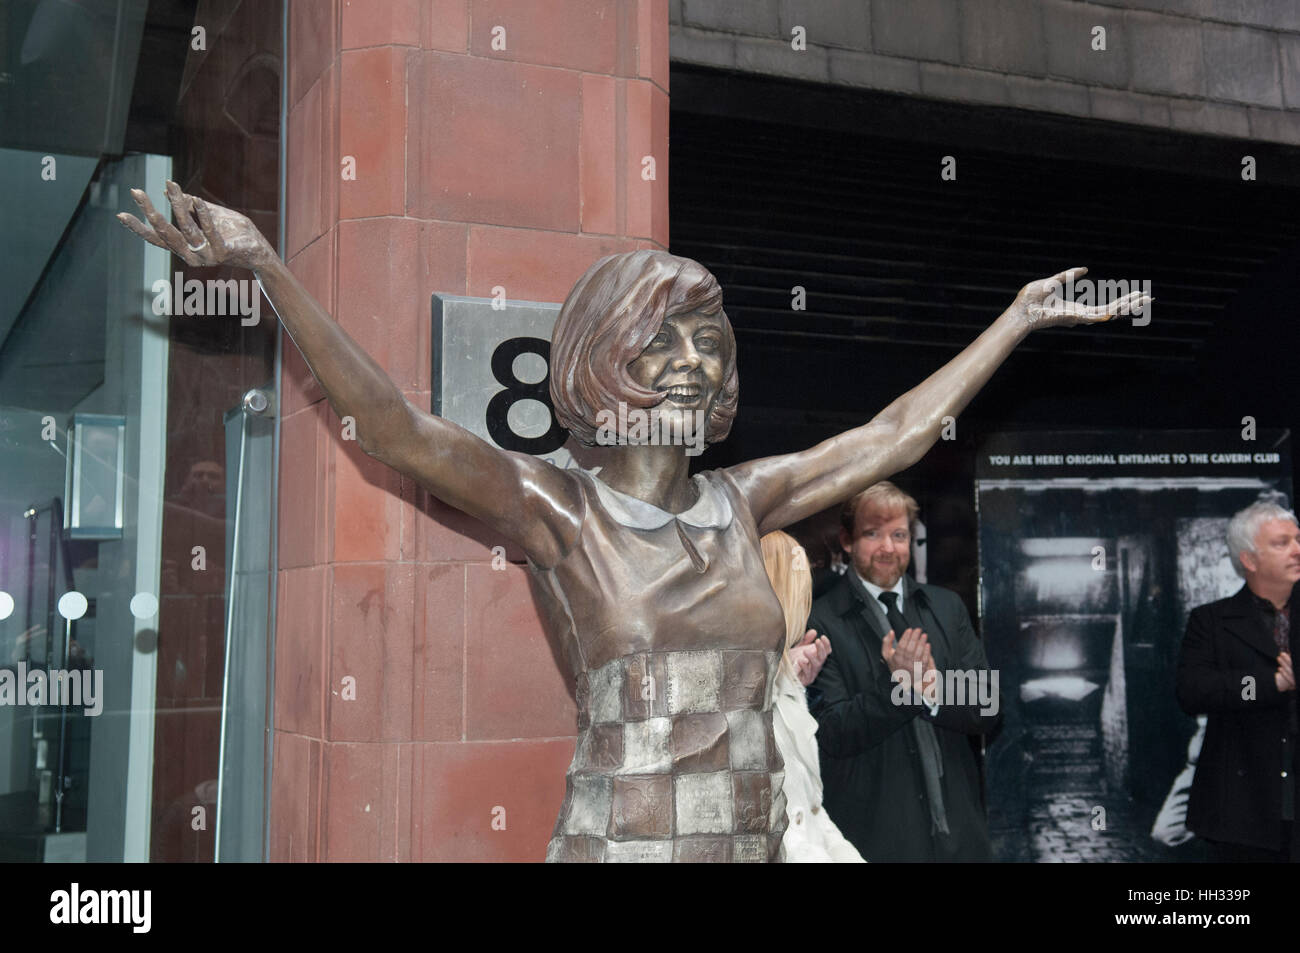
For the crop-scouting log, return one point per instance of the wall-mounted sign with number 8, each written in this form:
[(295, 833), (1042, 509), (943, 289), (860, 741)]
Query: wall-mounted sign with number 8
[(498, 408), (491, 373)]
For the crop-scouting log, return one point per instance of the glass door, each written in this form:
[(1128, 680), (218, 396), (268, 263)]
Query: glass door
[(137, 517)]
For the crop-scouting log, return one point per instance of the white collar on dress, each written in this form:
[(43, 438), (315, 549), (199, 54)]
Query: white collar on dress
[(710, 511)]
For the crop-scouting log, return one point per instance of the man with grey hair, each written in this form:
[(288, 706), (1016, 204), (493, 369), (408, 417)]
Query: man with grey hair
[(1236, 668)]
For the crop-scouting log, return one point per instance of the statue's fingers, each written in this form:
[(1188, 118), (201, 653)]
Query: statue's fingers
[(1128, 304), (141, 229), (165, 229), (1077, 312), (183, 214), (1070, 274)]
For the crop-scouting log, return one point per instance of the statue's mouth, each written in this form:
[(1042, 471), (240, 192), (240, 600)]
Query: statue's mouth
[(684, 394)]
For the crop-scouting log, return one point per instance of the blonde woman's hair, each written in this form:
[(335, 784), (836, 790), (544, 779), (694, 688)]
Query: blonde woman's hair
[(787, 569)]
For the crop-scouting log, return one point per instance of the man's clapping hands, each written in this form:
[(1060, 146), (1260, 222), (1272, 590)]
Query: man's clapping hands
[(909, 655)]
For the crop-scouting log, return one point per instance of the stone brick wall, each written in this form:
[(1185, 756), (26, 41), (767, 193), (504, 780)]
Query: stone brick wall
[(1213, 67), (475, 166)]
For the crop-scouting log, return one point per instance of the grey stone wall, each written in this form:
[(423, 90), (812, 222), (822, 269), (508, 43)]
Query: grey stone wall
[(1214, 67)]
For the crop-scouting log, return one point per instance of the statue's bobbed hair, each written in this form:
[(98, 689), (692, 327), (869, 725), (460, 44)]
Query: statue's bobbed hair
[(610, 317)]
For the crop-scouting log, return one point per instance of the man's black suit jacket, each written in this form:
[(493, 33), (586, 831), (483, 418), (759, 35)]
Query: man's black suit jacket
[(1236, 792), (871, 771)]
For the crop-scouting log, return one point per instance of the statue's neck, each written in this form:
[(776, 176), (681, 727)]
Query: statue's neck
[(659, 475)]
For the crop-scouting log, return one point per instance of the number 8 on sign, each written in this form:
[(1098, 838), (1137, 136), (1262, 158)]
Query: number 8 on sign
[(498, 408)]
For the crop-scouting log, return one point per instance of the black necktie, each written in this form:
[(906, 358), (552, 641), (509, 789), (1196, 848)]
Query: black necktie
[(926, 742), (896, 620)]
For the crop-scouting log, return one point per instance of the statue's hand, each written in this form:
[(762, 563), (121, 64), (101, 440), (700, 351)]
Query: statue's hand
[(1042, 303), (203, 234)]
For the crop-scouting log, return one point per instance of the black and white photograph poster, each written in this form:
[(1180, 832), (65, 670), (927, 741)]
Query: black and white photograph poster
[(1094, 547)]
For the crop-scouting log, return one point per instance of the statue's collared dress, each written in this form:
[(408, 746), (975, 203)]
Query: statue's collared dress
[(673, 633)]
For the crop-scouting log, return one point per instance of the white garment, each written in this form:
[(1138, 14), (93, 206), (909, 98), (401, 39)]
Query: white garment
[(811, 837)]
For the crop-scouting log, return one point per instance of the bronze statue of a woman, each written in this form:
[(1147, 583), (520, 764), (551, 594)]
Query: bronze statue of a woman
[(651, 581)]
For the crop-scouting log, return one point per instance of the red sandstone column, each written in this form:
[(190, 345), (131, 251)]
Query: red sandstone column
[(475, 166)]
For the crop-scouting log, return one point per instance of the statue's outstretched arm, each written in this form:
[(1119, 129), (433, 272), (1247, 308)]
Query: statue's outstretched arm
[(785, 489), (524, 498)]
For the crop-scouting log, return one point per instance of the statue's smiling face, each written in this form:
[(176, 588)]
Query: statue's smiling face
[(685, 361)]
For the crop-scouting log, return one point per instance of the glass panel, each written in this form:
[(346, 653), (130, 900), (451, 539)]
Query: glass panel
[(85, 608), (137, 511)]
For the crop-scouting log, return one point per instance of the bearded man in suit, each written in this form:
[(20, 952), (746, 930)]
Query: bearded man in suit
[(900, 772)]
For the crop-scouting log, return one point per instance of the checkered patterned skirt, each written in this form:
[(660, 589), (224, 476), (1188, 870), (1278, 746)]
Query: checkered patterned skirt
[(676, 761)]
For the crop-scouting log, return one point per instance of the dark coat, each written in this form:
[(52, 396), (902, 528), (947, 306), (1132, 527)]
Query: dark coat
[(1237, 791), (871, 771)]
